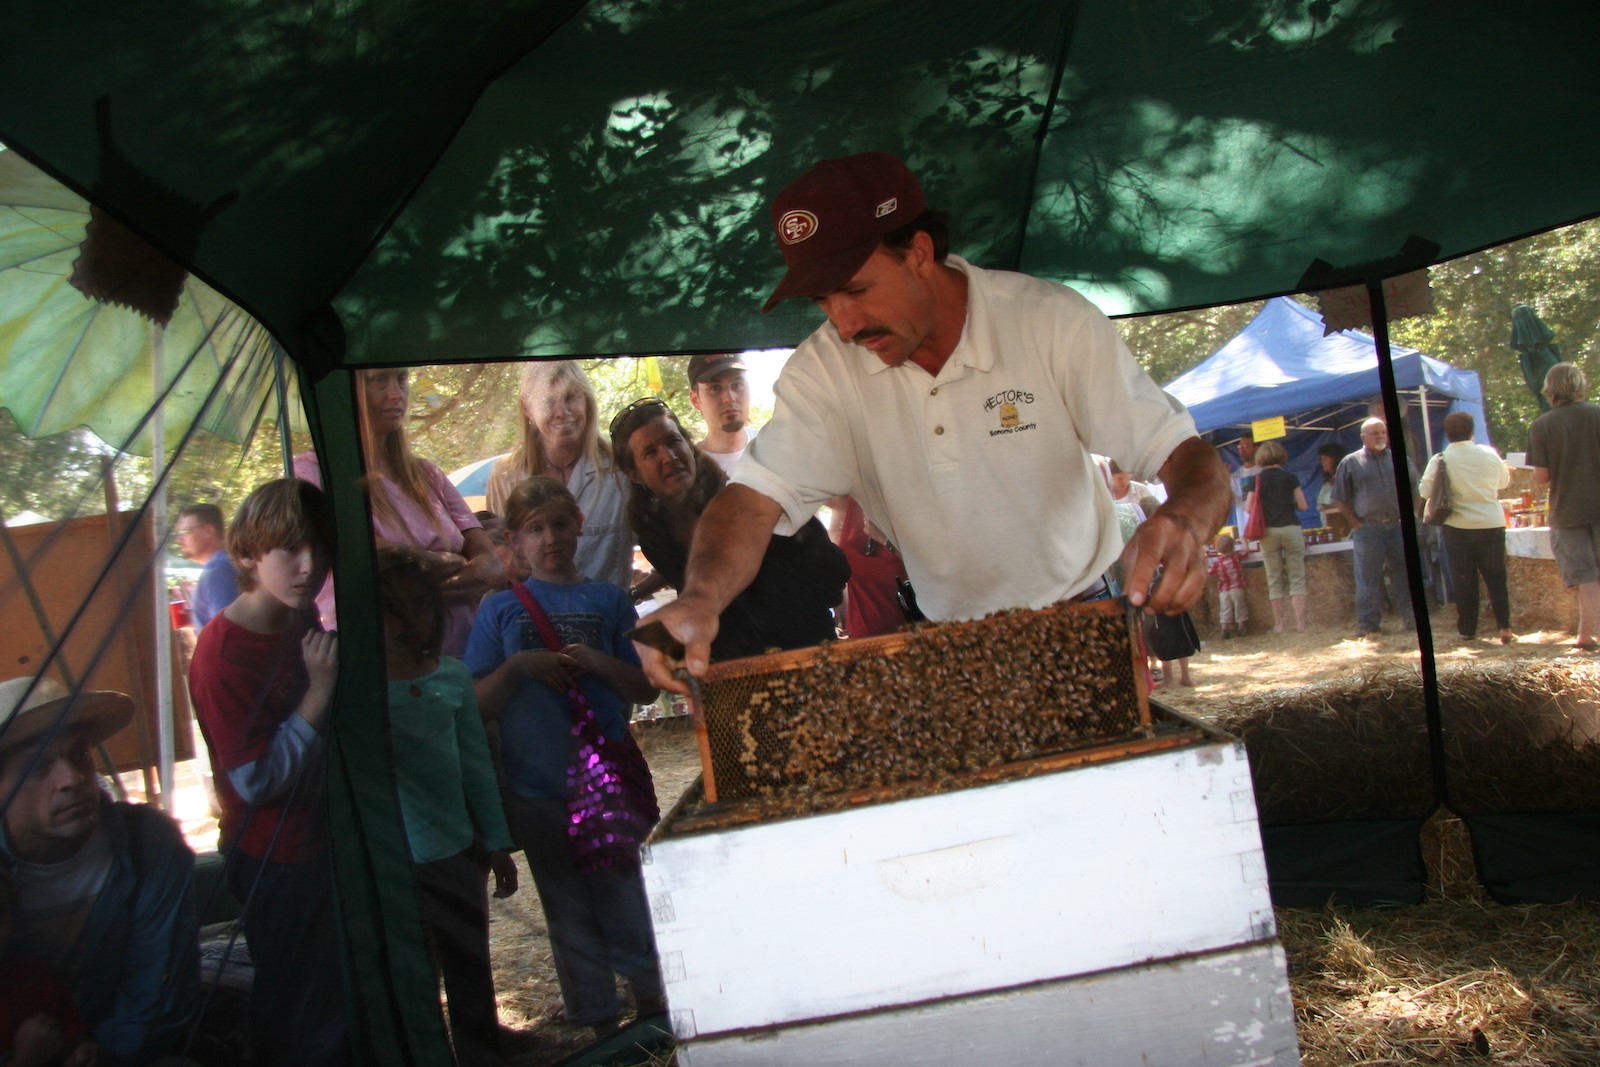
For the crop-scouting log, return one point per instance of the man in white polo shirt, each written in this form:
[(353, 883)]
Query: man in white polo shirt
[(967, 439)]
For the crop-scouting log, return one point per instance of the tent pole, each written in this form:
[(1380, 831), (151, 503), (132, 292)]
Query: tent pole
[(1408, 532), (281, 388), (158, 573), (1427, 428), (116, 572)]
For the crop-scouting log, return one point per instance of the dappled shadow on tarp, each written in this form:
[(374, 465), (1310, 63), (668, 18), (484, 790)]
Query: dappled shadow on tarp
[(576, 214), (606, 193)]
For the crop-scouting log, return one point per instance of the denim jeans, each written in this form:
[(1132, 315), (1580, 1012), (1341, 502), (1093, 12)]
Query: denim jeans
[(1376, 546), (599, 923)]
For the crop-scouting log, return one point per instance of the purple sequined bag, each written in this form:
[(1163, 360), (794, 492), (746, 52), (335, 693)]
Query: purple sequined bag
[(611, 798)]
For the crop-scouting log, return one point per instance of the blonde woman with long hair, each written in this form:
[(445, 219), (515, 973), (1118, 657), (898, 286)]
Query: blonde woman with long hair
[(415, 506), (561, 440)]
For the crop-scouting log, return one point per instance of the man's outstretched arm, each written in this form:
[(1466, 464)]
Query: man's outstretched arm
[(730, 540), (1174, 539)]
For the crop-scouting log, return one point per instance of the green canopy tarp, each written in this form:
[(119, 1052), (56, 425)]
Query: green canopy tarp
[(481, 180), (411, 182)]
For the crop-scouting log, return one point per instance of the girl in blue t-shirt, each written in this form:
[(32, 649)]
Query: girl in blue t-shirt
[(599, 922)]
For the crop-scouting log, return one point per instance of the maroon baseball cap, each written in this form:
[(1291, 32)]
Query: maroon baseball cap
[(703, 367), (831, 218)]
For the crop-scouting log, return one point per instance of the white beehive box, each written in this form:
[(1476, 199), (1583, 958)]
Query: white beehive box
[(1108, 913)]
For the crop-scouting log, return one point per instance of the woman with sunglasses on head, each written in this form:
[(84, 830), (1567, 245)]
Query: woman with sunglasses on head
[(789, 605), (561, 440)]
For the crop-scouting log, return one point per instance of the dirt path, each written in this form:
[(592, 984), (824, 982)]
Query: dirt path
[(1243, 668)]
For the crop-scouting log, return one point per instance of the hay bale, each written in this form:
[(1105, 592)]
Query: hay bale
[(1341, 750), (1519, 736), (1330, 588), (1522, 736), (1539, 599)]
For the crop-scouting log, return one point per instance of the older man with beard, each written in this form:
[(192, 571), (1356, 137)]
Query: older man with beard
[(1364, 491)]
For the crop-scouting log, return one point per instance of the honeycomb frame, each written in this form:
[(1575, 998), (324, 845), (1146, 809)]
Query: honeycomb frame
[(928, 703)]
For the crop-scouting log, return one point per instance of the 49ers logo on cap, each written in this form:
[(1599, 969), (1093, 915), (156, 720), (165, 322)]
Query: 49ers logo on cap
[(796, 226)]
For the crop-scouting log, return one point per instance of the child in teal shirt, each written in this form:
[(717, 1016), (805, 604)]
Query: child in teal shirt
[(448, 798)]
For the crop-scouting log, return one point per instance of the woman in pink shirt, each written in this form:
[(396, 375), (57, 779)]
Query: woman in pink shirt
[(415, 506)]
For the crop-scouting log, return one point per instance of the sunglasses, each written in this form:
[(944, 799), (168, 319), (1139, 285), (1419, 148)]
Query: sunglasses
[(619, 422)]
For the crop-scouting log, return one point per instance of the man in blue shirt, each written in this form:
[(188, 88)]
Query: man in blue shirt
[(1365, 493), (199, 534)]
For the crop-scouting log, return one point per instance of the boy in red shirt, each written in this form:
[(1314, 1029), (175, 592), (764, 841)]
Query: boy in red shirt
[(262, 680), (1228, 570)]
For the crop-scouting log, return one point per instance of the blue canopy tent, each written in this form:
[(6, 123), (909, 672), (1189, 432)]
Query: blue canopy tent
[(1322, 385)]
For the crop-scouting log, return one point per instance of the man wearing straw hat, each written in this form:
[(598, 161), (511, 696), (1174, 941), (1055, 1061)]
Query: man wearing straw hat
[(104, 891)]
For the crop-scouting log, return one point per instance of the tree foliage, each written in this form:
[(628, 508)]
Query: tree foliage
[(1554, 273), (1470, 328), (1172, 344), (55, 476)]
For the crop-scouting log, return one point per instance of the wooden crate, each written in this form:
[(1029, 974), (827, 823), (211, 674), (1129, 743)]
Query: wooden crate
[(100, 609), (1106, 912)]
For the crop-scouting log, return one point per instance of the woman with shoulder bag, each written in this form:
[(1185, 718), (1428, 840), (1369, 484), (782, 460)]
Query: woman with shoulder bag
[(1280, 499), (1475, 530)]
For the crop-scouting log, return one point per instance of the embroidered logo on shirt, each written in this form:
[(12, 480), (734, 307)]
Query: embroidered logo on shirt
[(1005, 404)]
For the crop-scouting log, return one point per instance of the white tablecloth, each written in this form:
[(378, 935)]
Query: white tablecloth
[(1529, 542)]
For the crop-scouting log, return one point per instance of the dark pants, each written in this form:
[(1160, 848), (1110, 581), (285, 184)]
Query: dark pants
[(297, 1006), (454, 894), (599, 923), (1472, 553)]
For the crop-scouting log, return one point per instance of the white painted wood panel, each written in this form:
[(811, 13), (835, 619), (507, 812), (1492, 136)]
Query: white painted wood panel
[(1083, 870), (1226, 1009)]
